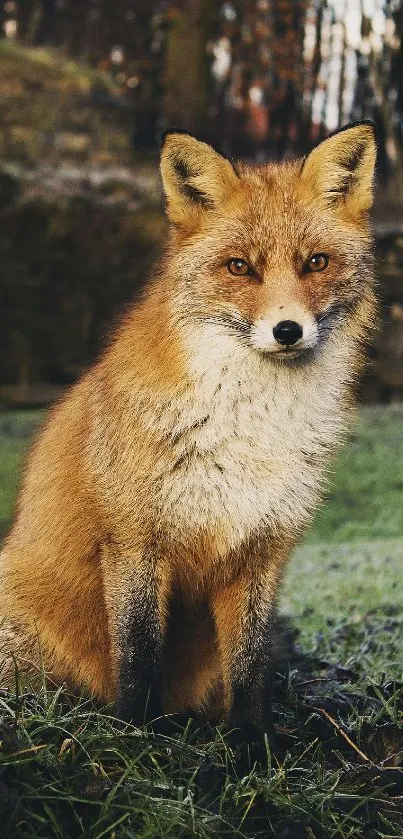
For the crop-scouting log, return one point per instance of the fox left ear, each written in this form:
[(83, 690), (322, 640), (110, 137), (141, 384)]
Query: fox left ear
[(196, 178), (341, 168)]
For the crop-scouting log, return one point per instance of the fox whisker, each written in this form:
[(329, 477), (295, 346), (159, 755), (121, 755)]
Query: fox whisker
[(241, 326)]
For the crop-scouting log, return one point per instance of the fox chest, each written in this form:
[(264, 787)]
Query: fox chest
[(251, 458)]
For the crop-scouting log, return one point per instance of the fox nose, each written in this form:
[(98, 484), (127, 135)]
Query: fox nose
[(287, 332)]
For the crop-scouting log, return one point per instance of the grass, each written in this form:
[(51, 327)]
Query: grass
[(353, 589), (334, 765), (53, 64), (365, 498), (16, 431)]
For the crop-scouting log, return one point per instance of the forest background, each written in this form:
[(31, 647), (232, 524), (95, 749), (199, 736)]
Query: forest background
[(87, 88)]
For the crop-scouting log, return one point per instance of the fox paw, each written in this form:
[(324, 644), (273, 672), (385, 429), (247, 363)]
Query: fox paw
[(249, 745)]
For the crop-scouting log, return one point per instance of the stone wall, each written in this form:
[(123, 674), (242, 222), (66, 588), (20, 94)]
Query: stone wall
[(72, 254)]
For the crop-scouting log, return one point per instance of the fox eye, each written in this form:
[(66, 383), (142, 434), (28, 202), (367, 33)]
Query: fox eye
[(317, 262), (239, 267)]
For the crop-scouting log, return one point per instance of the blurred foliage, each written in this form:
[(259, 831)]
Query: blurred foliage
[(52, 107), (257, 76)]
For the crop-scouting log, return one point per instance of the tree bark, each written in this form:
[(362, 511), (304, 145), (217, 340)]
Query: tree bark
[(186, 77)]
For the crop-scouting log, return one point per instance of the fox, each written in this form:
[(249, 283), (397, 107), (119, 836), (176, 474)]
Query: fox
[(169, 486)]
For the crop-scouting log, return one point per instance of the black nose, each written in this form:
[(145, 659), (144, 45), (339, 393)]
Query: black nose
[(287, 332)]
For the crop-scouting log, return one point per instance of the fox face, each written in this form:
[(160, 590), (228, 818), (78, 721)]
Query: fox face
[(276, 256)]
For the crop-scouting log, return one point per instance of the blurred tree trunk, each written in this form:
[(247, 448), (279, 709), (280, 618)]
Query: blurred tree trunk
[(317, 55), (269, 53), (93, 46), (45, 30), (397, 80), (36, 22), (342, 78), (288, 38), (29, 18), (186, 78), (384, 90), (74, 17), (2, 19)]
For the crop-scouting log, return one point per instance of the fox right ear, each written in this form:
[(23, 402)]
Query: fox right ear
[(340, 170), (196, 178)]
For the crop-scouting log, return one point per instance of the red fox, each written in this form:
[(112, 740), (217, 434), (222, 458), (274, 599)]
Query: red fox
[(168, 488)]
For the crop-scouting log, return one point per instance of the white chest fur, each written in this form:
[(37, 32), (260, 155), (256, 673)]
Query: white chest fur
[(251, 442)]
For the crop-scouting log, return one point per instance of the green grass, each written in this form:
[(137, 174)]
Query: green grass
[(334, 766), (366, 491), (354, 589), (16, 432)]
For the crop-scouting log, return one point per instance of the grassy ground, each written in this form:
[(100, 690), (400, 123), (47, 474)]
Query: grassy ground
[(16, 432), (334, 766), (365, 498)]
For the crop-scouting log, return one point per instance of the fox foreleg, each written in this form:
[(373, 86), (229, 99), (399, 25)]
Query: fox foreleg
[(137, 605), (244, 613)]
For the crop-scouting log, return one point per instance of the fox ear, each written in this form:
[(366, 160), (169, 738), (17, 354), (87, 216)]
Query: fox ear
[(341, 169), (196, 178)]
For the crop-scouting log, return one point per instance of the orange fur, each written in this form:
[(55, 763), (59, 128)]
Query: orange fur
[(168, 487)]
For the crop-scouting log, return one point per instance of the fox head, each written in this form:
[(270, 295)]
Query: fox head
[(277, 255)]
